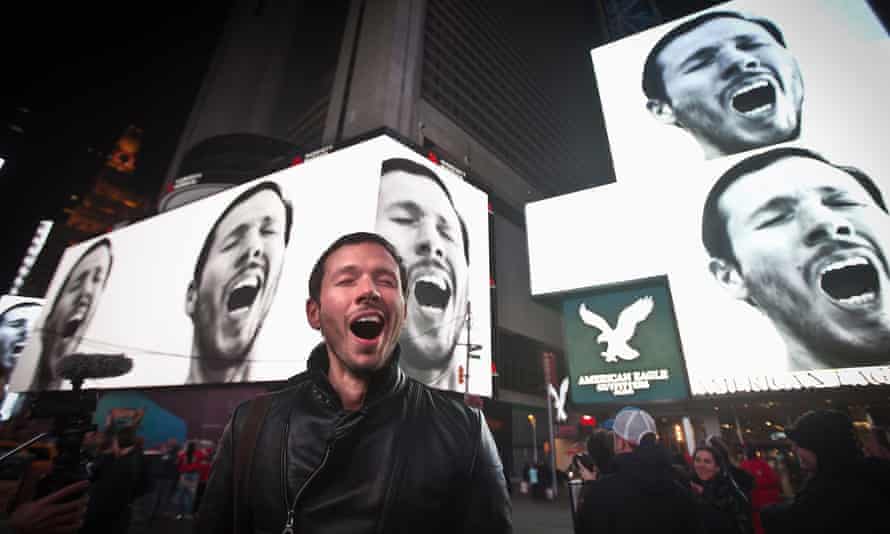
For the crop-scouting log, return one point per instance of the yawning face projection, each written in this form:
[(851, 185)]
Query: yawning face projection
[(15, 324), (416, 213), (72, 310), (235, 281), (728, 80), (810, 243)]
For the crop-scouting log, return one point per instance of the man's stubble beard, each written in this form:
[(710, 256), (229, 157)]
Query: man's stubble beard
[(785, 310), (414, 356), (208, 356), (730, 144), (362, 373)]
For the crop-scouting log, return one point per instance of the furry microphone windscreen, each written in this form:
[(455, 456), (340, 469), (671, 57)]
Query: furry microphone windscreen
[(80, 366)]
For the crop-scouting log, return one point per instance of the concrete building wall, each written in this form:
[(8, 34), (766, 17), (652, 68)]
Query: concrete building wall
[(382, 50), (243, 89), (516, 311), (495, 175)]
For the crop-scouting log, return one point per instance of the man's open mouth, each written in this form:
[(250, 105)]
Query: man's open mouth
[(754, 98), (243, 294), (17, 348), (367, 327), (71, 327), (432, 291), (851, 281)]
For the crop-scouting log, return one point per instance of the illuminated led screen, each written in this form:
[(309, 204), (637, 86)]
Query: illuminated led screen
[(215, 291), (747, 143)]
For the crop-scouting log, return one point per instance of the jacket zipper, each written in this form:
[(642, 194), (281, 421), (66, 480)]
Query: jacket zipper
[(289, 524), (284, 441)]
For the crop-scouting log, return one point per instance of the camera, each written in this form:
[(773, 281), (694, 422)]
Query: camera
[(583, 459), (72, 414)]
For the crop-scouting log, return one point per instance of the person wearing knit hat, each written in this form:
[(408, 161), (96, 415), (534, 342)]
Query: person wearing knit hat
[(842, 483), (824, 440)]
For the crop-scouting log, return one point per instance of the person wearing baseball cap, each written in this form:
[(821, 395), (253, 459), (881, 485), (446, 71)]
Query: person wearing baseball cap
[(843, 484), (632, 425), (643, 493)]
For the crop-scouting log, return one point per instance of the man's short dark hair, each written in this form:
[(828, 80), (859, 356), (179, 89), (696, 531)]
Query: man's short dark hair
[(247, 193), (713, 227), (104, 242), (355, 238), (653, 79), (15, 307), (412, 167)]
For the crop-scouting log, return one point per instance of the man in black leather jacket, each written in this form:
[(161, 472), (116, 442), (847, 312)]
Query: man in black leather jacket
[(352, 445)]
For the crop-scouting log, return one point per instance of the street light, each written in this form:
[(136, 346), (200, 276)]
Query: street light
[(533, 422)]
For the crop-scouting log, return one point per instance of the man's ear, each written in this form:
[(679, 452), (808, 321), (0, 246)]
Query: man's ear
[(312, 314), (728, 276), (191, 296), (662, 111)]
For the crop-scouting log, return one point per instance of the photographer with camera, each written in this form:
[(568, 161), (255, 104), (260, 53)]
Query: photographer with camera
[(597, 462)]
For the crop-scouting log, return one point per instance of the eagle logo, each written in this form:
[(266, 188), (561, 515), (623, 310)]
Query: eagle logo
[(617, 339), (559, 399)]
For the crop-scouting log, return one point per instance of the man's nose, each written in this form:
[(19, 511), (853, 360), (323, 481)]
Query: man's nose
[(429, 241), (368, 290), (734, 61), (253, 246), (89, 286), (824, 225)]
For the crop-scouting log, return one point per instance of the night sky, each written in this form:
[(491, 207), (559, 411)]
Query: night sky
[(85, 74)]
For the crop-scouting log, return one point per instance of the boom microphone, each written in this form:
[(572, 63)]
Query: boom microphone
[(72, 413), (81, 366)]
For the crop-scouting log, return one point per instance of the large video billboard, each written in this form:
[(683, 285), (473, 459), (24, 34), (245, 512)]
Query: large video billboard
[(215, 291), (17, 317), (760, 73), (747, 142)]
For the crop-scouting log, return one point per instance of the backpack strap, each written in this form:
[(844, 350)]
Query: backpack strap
[(244, 460)]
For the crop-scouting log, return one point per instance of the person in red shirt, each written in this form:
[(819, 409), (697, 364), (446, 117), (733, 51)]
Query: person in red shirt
[(189, 466), (204, 458), (766, 484)]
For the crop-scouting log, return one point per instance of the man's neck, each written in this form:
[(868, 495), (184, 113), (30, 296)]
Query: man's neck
[(437, 378), (800, 357), (709, 149), (202, 374), (350, 388)]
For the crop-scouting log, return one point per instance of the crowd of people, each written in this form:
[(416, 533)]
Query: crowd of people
[(633, 484), (129, 483), (125, 484), (176, 478)]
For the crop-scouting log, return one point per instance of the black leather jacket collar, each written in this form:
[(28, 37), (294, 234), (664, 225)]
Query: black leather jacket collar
[(387, 381)]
